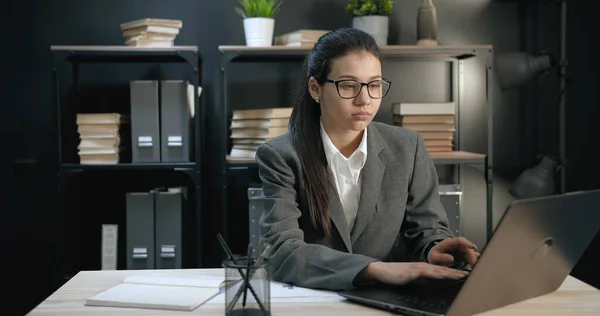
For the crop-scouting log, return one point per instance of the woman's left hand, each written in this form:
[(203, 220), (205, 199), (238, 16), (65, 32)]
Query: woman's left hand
[(452, 251)]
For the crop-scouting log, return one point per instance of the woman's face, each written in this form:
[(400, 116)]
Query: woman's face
[(352, 113)]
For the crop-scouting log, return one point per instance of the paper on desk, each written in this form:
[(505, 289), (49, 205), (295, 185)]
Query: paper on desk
[(147, 296), (285, 293), (159, 291), (173, 280)]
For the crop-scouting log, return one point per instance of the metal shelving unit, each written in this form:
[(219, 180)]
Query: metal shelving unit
[(454, 54), (75, 56)]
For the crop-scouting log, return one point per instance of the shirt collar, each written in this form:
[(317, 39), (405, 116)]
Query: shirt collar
[(331, 150)]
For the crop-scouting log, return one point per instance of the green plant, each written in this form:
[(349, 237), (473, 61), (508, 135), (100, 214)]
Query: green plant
[(370, 7), (258, 8)]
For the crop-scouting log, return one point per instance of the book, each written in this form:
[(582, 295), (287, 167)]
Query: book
[(151, 32), (259, 133), (300, 38), (157, 291), (241, 152), (260, 123), (430, 127), (99, 159), (149, 42), (101, 118), (94, 143), (420, 119), (403, 109), (176, 24), (262, 114)]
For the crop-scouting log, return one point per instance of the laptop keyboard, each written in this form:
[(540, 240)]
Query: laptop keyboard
[(438, 297)]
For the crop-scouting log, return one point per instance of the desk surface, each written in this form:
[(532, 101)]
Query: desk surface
[(573, 298)]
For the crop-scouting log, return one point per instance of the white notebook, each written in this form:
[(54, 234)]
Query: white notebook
[(159, 292)]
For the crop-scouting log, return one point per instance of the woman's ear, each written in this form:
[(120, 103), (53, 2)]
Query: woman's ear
[(314, 88)]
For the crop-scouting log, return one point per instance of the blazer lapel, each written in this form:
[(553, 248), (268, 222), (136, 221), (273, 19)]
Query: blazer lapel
[(372, 175), (338, 217)]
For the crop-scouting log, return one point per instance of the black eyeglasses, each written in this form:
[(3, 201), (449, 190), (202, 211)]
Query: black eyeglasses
[(350, 89)]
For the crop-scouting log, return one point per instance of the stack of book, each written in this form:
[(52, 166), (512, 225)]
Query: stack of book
[(250, 128), (100, 137), (435, 121), (151, 32), (300, 38)]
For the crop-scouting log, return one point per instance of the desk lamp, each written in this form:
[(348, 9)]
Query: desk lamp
[(537, 181), (517, 68)]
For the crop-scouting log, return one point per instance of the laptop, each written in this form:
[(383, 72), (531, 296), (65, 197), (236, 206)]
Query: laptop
[(532, 251)]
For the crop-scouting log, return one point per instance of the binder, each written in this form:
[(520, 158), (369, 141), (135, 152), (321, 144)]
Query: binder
[(110, 234), (168, 233), (140, 230), (145, 130), (177, 102)]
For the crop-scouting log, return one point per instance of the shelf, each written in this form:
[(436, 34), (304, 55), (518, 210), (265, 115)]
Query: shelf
[(177, 166), (240, 163), (457, 157), (126, 54), (246, 53), (442, 158)]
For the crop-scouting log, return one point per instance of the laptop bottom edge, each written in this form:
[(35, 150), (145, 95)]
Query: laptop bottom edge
[(388, 306)]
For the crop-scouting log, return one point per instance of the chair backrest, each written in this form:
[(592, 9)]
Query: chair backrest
[(256, 205)]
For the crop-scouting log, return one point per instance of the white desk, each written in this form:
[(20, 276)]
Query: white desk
[(572, 299)]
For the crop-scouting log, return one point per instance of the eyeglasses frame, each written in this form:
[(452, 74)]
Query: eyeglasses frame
[(362, 84)]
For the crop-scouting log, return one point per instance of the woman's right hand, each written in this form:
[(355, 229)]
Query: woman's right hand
[(400, 273)]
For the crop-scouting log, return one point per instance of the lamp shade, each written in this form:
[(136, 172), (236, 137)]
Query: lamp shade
[(535, 182), (516, 68)]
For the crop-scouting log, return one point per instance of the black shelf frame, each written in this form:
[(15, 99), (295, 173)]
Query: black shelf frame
[(78, 55), (454, 54)]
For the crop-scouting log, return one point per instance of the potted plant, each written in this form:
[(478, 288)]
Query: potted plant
[(372, 16), (259, 20)]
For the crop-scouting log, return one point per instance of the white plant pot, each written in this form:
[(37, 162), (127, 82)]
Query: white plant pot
[(375, 25), (259, 31)]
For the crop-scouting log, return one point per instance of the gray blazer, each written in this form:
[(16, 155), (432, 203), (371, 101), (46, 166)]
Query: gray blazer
[(399, 206)]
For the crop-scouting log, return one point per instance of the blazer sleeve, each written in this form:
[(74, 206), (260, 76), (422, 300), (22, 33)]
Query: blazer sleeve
[(425, 219), (291, 259)]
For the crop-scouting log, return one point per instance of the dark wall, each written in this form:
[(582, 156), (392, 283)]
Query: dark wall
[(583, 110), (525, 120)]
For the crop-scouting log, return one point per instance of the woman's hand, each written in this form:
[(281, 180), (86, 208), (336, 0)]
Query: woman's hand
[(400, 273), (452, 251)]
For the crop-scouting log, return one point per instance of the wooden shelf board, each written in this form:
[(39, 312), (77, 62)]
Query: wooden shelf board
[(457, 157), (383, 48), (387, 51)]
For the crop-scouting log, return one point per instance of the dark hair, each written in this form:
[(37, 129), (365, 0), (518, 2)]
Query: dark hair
[(305, 119)]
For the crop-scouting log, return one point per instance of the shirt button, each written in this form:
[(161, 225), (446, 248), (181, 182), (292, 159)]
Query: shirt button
[(348, 182)]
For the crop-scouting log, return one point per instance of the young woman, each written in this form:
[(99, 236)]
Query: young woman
[(343, 193)]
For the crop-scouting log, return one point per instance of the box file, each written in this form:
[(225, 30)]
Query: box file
[(145, 131), (168, 229), (140, 230), (177, 102)]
